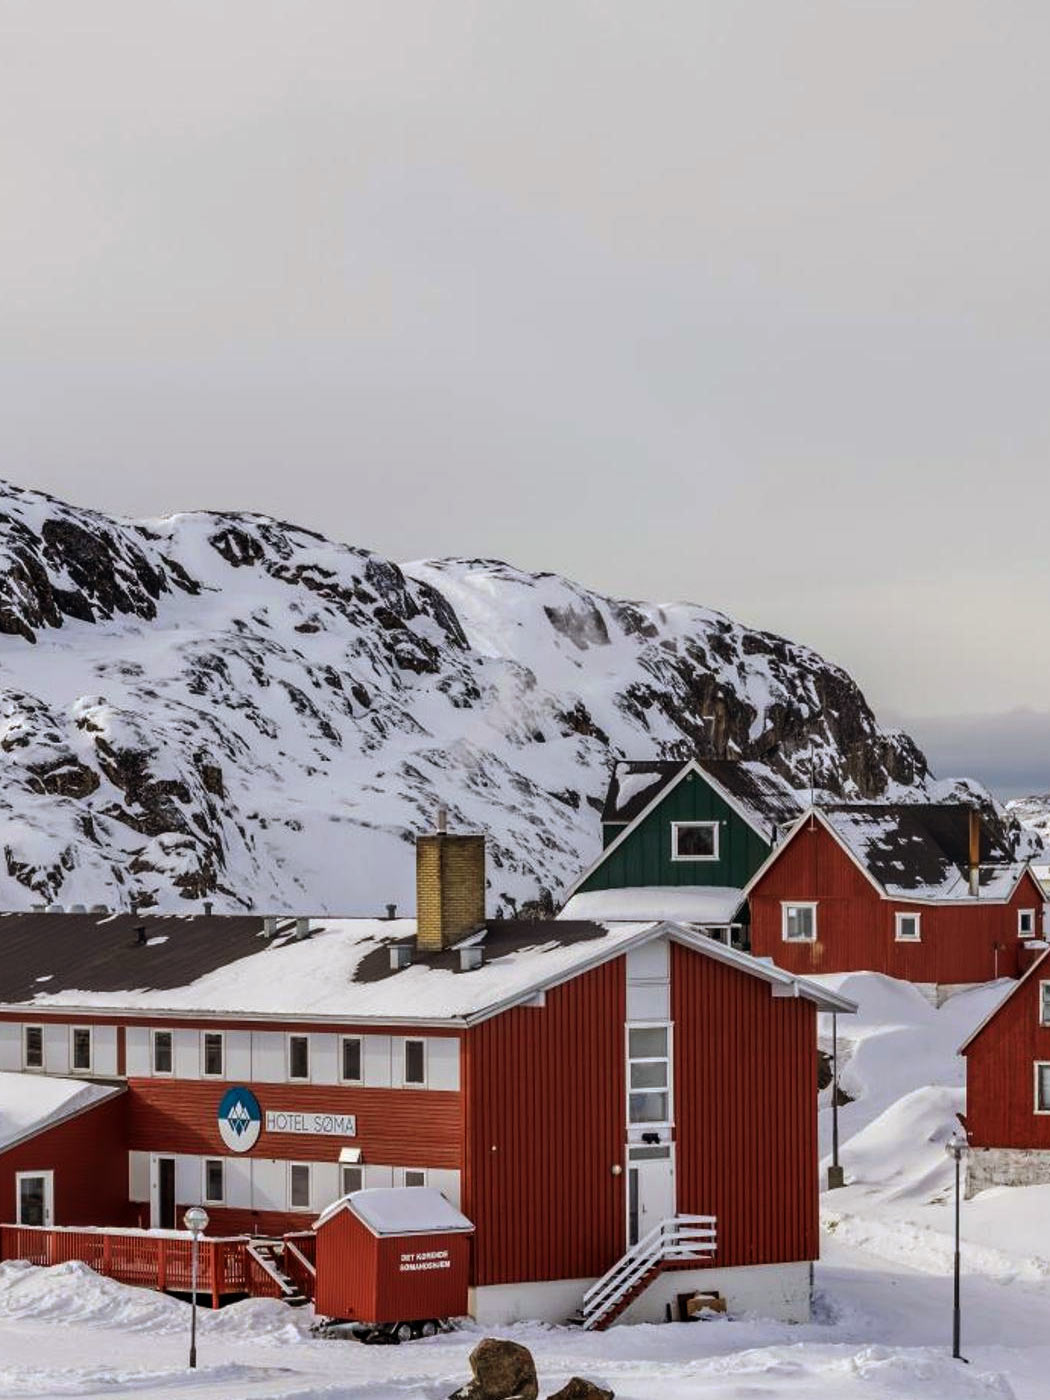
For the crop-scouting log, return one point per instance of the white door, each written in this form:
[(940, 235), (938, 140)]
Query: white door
[(35, 1198), (650, 1189)]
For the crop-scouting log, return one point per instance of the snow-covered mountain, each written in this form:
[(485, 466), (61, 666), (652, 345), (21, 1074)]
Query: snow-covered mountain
[(225, 706)]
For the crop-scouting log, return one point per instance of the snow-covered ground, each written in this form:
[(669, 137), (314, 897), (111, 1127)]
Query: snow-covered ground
[(882, 1325)]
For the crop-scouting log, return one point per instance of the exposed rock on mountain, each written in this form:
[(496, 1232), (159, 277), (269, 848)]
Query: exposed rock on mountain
[(231, 707)]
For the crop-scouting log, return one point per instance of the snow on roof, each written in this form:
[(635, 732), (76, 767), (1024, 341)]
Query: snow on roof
[(341, 971), (706, 905), (761, 796), (401, 1210), (919, 851), (29, 1102)]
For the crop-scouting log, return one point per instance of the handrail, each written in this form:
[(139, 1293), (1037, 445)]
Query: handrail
[(297, 1253), (264, 1264), (680, 1237)]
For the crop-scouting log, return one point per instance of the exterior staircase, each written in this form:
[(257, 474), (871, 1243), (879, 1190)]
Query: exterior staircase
[(268, 1256), (671, 1244)]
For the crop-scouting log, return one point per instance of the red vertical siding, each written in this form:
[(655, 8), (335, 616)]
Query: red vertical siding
[(546, 1124), (88, 1154), (856, 927), (745, 1111), (1000, 1073), (347, 1269)]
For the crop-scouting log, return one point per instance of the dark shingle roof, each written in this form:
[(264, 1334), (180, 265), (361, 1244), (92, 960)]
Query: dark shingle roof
[(762, 794)]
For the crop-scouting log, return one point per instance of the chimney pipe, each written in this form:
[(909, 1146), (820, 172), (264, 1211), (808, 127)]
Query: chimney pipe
[(140, 935), (442, 819), (391, 911), (450, 888), (208, 907), (302, 928), (270, 925), (975, 852)]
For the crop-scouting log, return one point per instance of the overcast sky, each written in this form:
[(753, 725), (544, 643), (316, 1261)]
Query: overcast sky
[(741, 303)]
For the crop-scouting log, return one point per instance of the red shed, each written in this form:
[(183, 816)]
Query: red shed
[(393, 1255), (924, 892)]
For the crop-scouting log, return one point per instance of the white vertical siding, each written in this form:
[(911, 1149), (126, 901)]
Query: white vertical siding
[(56, 1049), (239, 1055), (187, 1054), (397, 1061), (442, 1057), (324, 1059), (104, 1050), (239, 1183), (649, 982), (446, 1180), (188, 1186), (377, 1176), (137, 1061), (268, 1057), (268, 1184), (324, 1184), (138, 1176), (377, 1061), (10, 1045)]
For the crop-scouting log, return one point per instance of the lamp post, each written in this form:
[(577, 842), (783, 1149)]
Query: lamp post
[(957, 1148), (196, 1222), (836, 1176)]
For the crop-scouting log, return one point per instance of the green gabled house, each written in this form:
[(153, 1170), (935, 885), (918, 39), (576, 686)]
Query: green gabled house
[(681, 840)]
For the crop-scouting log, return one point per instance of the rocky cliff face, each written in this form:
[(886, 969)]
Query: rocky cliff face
[(225, 706)]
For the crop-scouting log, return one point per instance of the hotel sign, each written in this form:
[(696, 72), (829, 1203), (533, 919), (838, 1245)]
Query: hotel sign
[(318, 1124)]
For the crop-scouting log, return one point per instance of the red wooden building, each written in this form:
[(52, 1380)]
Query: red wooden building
[(1007, 1116), (924, 893), (579, 1090)]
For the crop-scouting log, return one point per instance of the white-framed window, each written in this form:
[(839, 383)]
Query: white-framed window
[(415, 1176), (213, 1056), (908, 927), (299, 1057), (1026, 923), (648, 1075), (299, 1186), (798, 921), (415, 1062), (1042, 1086), (1044, 1003), (351, 1060), (214, 1184), (80, 1049), (34, 1198), (163, 1056), (351, 1178), (33, 1047), (694, 840)]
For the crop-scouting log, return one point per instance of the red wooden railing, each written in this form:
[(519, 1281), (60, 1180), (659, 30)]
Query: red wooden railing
[(150, 1259), (300, 1261)]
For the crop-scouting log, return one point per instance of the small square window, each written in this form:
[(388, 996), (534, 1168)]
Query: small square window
[(799, 923), (214, 1180), (415, 1178), (1026, 923), (299, 1186), (694, 840), (1042, 1088), (352, 1059), (353, 1179), (162, 1052), (415, 1062), (647, 1042), (81, 1057), (909, 928), (213, 1047), (298, 1057), (34, 1047)]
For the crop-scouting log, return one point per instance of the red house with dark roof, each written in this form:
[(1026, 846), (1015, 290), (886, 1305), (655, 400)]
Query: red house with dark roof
[(927, 893)]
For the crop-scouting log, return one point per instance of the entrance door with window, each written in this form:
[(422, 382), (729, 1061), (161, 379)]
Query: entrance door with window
[(650, 1189), (162, 1194), (35, 1198)]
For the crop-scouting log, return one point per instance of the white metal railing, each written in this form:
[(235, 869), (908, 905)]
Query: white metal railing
[(680, 1237)]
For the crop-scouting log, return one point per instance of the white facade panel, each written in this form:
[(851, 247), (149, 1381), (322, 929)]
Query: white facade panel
[(137, 1062), (325, 1184), (377, 1061), (56, 1049), (104, 1050), (648, 1001), (324, 1059), (138, 1176), (649, 963), (268, 1184), (239, 1055), (188, 1187), (238, 1182), (377, 1176), (445, 1180), (442, 1062), (268, 1058), (187, 1057), (10, 1045)]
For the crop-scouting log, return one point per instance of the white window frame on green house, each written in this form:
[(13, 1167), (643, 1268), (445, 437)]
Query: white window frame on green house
[(712, 826)]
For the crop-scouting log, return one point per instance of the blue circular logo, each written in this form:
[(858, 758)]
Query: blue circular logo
[(240, 1119)]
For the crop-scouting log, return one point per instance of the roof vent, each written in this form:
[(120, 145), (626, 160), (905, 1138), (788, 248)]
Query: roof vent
[(56, 909), (442, 819), (39, 908), (78, 908), (270, 925), (302, 928), (99, 909), (400, 956), (391, 911), (471, 958), (140, 935), (208, 907)]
